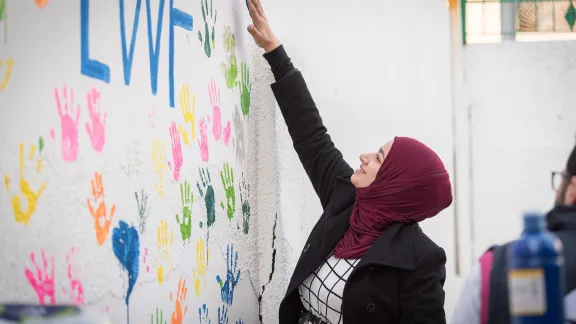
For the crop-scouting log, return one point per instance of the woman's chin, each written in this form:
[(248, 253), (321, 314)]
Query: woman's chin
[(356, 179)]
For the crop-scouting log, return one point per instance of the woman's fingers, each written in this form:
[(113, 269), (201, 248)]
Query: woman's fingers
[(253, 12), (258, 7), (254, 32)]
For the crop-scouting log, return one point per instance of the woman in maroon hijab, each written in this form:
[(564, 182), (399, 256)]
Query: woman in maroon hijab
[(366, 260)]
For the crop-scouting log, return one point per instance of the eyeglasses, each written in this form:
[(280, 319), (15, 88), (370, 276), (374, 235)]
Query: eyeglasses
[(557, 179)]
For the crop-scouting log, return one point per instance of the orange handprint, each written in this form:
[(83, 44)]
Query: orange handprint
[(31, 196), (102, 220), (41, 3), (180, 309)]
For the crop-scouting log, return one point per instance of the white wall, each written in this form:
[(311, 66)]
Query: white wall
[(45, 46), (520, 97), (374, 73)]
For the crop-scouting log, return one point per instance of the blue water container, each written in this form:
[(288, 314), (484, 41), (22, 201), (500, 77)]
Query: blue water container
[(536, 275)]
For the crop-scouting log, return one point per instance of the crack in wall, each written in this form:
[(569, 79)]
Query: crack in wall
[(271, 271)]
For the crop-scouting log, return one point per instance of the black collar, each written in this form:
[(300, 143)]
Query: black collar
[(561, 218)]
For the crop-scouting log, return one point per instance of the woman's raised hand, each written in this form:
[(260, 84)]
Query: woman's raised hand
[(260, 30)]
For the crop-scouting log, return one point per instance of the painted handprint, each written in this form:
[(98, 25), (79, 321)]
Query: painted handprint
[(126, 247), (143, 211), (8, 71), (209, 39), (176, 151), (245, 88), (41, 3), (207, 192), (203, 316), (244, 190), (226, 133), (238, 144), (239, 321), (223, 314), (76, 292), (214, 95), (96, 128), (187, 107), (227, 176), (69, 124), (158, 153), (31, 196), (43, 280), (102, 218), (159, 318), (203, 140), (187, 198), (228, 285), (165, 239), (230, 68), (180, 309), (202, 256)]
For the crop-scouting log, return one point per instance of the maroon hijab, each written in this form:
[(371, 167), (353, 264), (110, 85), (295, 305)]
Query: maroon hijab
[(411, 185)]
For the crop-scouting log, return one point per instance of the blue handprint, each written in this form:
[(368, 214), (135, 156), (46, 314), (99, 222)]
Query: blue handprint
[(126, 246), (223, 314), (227, 287), (203, 315), (239, 321)]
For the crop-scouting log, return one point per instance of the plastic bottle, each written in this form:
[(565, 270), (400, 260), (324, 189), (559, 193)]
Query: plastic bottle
[(536, 275)]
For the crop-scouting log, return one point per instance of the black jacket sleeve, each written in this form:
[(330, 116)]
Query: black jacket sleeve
[(422, 291), (321, 160)]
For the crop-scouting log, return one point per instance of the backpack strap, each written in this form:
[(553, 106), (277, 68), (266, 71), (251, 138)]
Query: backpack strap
[(486, 261)]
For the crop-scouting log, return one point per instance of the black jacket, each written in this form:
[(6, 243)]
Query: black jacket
[(400, 279), (562, 222)]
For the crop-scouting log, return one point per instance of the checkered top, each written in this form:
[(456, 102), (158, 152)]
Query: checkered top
[(321, 293)]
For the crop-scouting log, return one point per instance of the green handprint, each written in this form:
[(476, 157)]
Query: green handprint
[(209, 40), (187, 199), (245, 88), (208, 194), (227, 176), (244, 190), (158, 319), (230, 68), (2, 9)]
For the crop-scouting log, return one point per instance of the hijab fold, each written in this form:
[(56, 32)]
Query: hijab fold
[(411, 185)]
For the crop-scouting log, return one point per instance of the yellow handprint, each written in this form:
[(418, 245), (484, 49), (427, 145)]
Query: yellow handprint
[(202, 256), (23, 216), (165, 239), (158, 152), (7, 73), (188, 113)]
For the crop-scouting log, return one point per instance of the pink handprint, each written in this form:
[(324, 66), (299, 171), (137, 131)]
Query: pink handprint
[(203, 140), (96, 129), (43, 283), (69, 131), (176, 151), (214, 94), (227, 131), (76, 288)]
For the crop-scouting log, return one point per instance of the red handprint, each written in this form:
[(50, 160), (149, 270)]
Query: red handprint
[(43, 282)]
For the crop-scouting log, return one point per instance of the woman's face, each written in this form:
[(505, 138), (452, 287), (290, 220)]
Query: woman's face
[(370, 163)]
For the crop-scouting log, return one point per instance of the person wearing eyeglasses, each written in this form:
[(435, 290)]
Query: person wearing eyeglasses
[(484, 298)]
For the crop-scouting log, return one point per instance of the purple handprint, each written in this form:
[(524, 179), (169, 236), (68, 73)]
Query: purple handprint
[(96, 127), (69, 126), (232, 276)]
